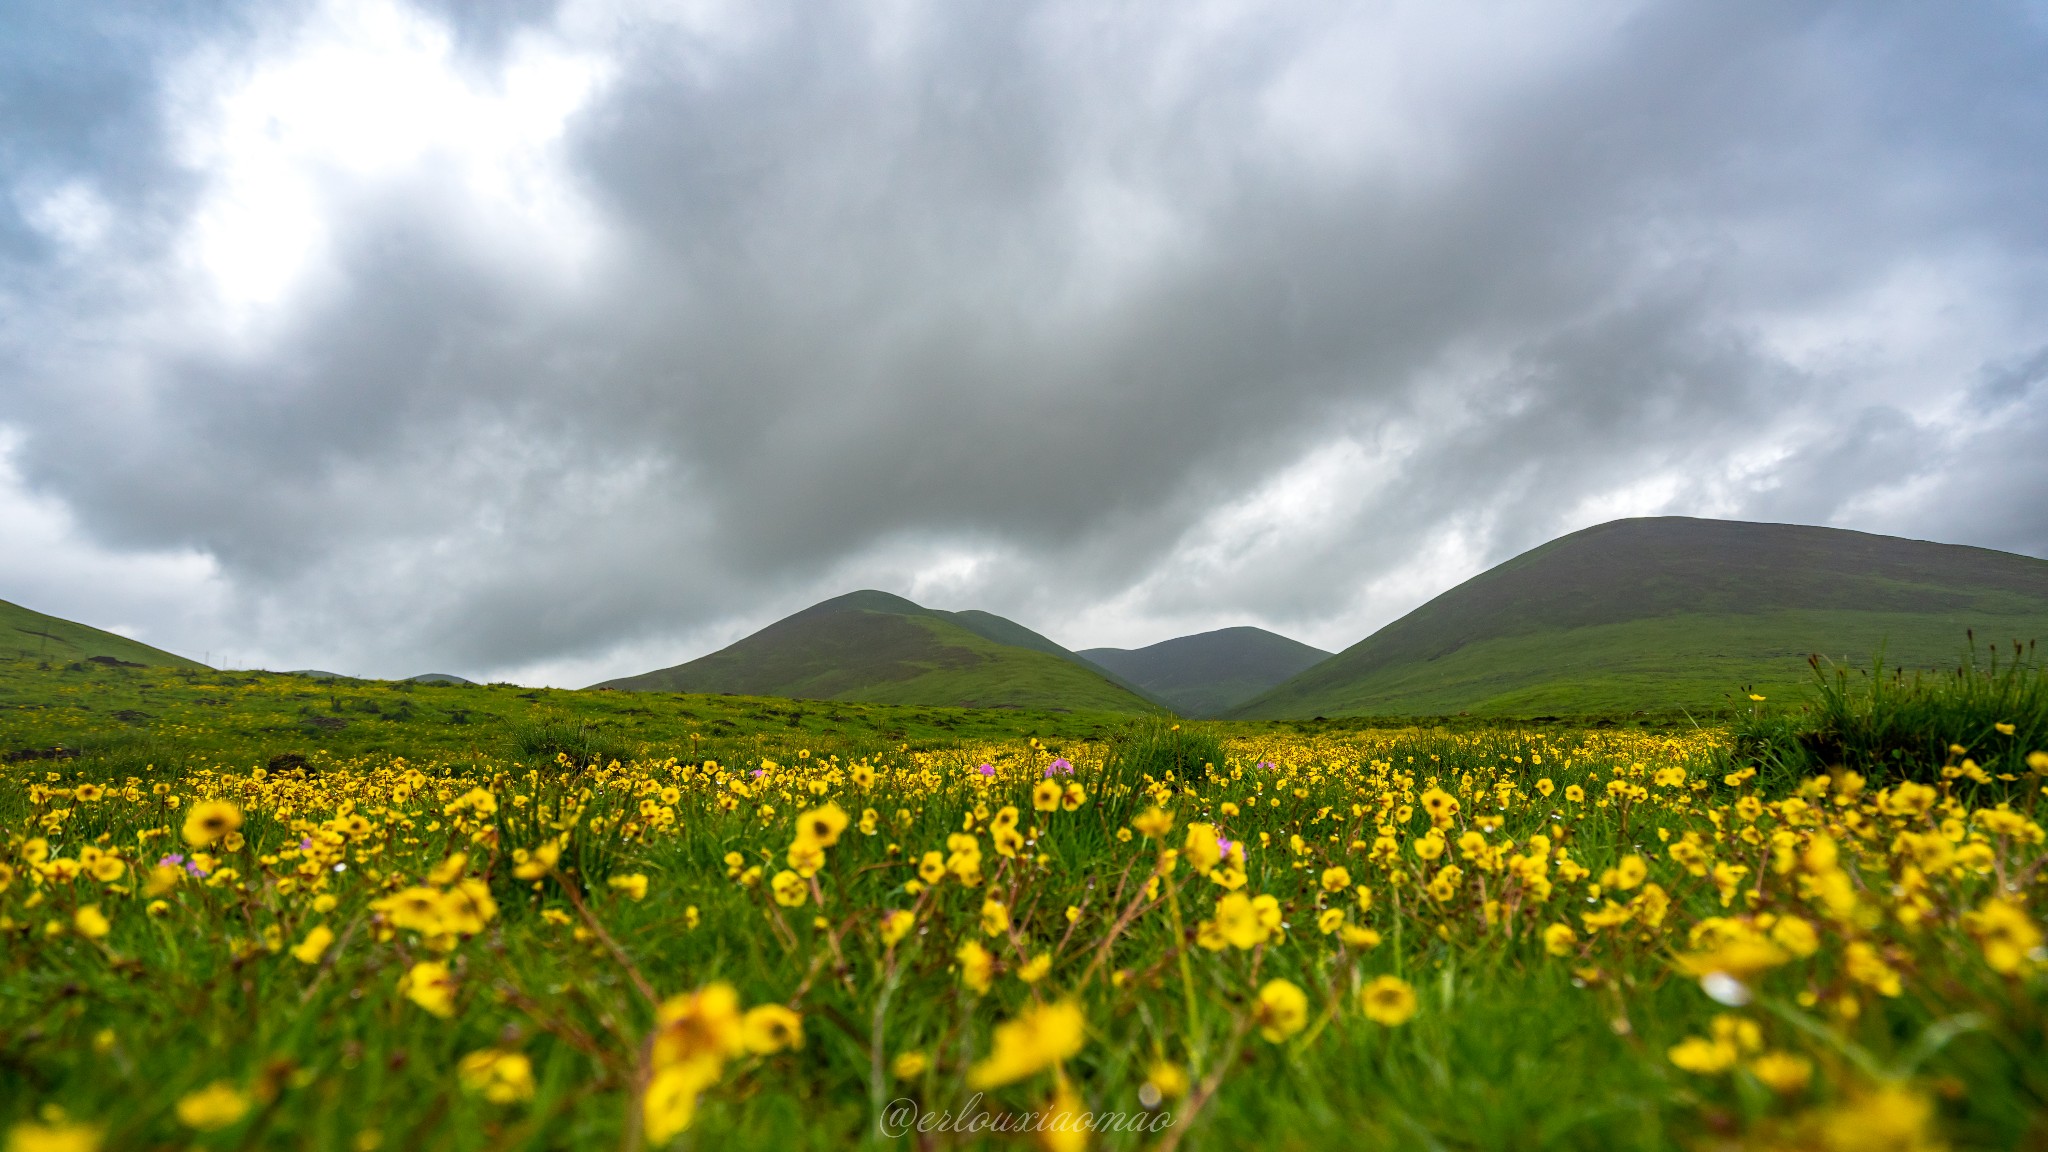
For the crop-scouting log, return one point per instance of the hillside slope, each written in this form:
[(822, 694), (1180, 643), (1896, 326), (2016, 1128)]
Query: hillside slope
[(31, 635), (1672, 612), (1209, 672), (877, 648)]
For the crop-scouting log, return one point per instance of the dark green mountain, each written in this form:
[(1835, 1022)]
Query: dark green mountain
[(27, 634), (882, 649), (1669, 612), (1210, 672)]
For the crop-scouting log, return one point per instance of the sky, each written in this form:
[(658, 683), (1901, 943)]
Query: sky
[(552, 341)]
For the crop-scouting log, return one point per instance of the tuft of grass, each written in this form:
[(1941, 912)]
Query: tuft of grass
[(1888, 724)]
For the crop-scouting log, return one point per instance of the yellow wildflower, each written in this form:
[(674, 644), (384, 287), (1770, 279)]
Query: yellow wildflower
[(498, 1076), (977, 966), (314, 946), (896, 924), (213, 1107), (1782, 1072), (633, 885), (56, 1134), (771, 1028), (1040, 1037), (1281, 1010), (209, 820), (1388, 1001), (995, 917), (429, 985), (89, 922)]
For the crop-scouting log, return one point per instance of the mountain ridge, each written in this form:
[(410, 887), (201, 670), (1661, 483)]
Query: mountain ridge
[(1642, 613), (877, 647), (1206, 673)]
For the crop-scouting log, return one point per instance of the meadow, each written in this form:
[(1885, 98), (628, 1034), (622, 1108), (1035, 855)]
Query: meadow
[(253, 911)]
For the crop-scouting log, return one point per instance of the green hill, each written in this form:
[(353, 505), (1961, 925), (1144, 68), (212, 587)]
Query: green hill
[(30, 635), (1670, 612), (881, 649), (1210, 672)]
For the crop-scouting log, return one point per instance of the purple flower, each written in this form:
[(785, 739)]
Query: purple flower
[(306, 845), (1060, 765), (987, 769), (173, 859), (1266, 764), (760, 772)]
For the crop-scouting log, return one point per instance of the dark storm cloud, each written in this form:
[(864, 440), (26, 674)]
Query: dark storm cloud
[(1089, 316)]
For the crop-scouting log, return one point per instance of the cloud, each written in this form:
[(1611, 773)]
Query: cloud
[(563, 340)]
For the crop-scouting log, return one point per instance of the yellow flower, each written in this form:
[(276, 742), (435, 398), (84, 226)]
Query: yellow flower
[(932, 867), (704, 1025), (314, 946), (1336, 879), (896, 924), (671, 1100), (1040, 1037), (1202, 850), (1154, 822), (1281, 1010), (977, 967), (1560, 940), (1892, 1119), (1796, 936), (498, 1076), (1168, 1078), (1331, 920), (1239, 922), (89, 922), (213, 1107), (1867, 967), (429, 985), (450, 870), (162, 879), (1782, 1072), (634, 885), (2005, 933), (1387, 1001), (821, 825), (909, 1065), (1035, 968), (1045, 796), (57, 1135), (1067, 1120), (789, 888), (995, 917), (538, 863), (209, 820), (1363, 939), (1703, 1056), (106, 869), (771, 1028)]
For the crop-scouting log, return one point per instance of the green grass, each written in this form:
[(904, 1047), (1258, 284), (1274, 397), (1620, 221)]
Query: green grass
[(137, 715), (1888, 723), (29, 635), (1703, 663), (1512, 1048)]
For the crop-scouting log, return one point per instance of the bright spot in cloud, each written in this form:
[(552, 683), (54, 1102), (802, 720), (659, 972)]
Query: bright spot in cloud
[(359, 99)]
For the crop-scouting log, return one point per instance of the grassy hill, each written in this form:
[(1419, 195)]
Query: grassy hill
[(1210, 672), (29, 635), (1671, 612), (882, 649)]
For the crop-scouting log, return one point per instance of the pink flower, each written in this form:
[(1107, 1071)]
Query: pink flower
[(1059, 765), (987, 769)]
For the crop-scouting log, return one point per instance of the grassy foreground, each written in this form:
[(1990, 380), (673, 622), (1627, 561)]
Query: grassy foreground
[(558, 922)]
